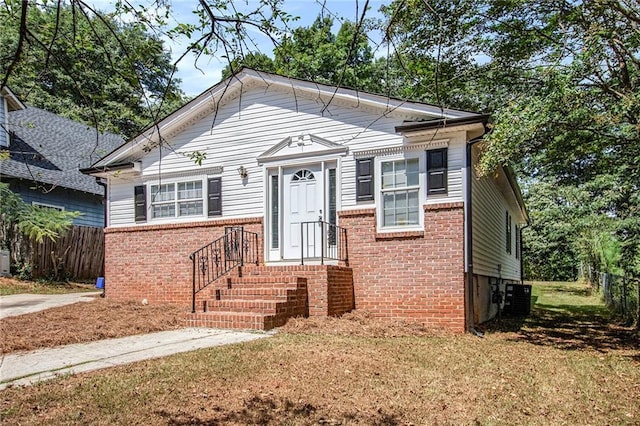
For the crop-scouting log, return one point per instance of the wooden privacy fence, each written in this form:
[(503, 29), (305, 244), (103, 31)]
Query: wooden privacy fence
[(78, 254)]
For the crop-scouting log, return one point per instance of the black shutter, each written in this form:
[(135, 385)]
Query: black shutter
[(215, 196), (364, 179), (140, 197), (437, 171), (508, 232)]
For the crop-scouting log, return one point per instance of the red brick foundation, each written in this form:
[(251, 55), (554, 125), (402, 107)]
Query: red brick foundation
[(404, 275), (410, 275), (152, 262)]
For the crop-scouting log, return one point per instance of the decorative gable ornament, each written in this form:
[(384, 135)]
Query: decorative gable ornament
[(302, 145)]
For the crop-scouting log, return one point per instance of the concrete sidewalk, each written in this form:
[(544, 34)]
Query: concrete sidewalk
[(29, 367), (19, 304)]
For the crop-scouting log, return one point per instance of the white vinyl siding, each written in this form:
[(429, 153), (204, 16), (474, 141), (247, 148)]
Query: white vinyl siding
[(489, 232), (248, 126), (121, 205)]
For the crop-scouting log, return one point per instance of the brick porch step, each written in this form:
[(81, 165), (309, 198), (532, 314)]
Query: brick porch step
[(252, 299), (235, 320), (273, 293), (247, 305)]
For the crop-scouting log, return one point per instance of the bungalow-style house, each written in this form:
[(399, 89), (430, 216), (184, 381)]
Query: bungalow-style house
[(267, 197), (45, 155)]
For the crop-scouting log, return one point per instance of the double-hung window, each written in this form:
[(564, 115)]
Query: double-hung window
[(400, 188), (177, 199)]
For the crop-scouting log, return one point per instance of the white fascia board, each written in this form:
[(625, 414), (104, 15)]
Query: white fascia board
[(355, 97)]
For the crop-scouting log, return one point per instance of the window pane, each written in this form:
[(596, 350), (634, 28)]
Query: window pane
[(389, 209), (413, 208), (387, 175), (413, 199), (412, 172), (164, 210), (162, 193), (275, 218), (400, 174), (189, 190), (190, 208)]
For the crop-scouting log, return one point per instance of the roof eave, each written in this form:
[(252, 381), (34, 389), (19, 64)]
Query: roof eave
[(105, 170), (443, 123), (13, 101)]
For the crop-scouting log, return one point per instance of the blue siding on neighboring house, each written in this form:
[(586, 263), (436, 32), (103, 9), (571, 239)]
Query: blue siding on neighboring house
[(91, 206)]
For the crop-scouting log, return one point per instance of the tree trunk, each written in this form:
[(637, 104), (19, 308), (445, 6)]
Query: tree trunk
[(638, 307)]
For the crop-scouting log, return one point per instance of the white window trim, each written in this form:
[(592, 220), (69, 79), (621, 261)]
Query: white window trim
[(176, 218), (51, 206), (421, 191)]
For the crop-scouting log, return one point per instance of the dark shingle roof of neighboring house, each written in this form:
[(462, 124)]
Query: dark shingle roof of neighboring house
[(51, 149)]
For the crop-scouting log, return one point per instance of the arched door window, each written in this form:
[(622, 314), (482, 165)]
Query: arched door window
[(303, 176)]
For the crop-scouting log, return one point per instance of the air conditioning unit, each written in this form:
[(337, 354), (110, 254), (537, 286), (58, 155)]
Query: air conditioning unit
[(5, 263)]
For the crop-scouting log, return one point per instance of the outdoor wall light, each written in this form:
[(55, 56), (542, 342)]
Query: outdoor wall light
[(243, 172)]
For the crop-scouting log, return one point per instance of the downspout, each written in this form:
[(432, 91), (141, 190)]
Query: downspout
[(469, 233), (522, 254), (103, 184)]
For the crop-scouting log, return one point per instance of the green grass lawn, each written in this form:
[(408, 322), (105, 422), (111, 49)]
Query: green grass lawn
[(563, 365)]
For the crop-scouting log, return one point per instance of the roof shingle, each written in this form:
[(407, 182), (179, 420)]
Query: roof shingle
[(50, 149)]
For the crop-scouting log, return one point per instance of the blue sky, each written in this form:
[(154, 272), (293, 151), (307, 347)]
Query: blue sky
[(195, 80)]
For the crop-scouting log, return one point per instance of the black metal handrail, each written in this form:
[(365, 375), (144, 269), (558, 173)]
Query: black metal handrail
[(235, 248), (323, 240)]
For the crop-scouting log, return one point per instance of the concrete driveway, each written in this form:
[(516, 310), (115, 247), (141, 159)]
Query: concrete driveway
[(19, 304)]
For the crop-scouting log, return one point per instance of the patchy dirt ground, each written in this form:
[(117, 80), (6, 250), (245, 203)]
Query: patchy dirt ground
[(566, 364), (85, 322)]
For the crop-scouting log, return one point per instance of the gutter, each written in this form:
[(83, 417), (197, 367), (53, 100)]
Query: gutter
[(441, 123), (111, 168)]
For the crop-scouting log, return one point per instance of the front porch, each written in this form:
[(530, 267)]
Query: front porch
[(264, 297)]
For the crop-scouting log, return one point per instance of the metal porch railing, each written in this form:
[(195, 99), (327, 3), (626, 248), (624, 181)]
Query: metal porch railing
[(235, 248), (322, 240)]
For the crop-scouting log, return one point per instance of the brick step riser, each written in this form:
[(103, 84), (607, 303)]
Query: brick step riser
[(235, 321), (265, 278), (287, 311), (242, 307), (260, 285), (248, 305), (257, 293)]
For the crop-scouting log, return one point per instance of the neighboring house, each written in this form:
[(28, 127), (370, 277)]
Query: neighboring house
[(378, 197), (46, 152)]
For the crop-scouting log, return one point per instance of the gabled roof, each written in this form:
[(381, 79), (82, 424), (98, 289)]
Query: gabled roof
[(246, 78), (50, 149), (13, 102)]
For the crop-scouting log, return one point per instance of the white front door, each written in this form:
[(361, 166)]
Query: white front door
[(303, 202)]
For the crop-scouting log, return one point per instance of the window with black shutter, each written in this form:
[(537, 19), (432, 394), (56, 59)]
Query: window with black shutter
[(215, 196), (508, 232), (437, 171), (140, 199), (364, 179)]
